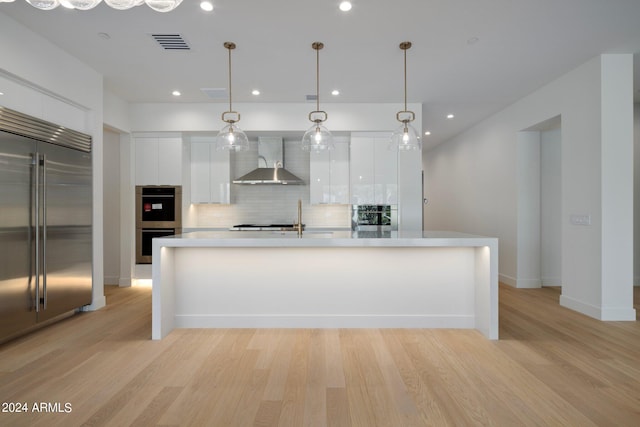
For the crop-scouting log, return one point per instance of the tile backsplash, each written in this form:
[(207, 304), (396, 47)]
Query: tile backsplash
[(269, 204)]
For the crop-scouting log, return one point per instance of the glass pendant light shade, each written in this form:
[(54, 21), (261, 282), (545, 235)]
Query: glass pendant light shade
[(44, 4), (121, 4), (84, 4), (405, 138), (163, 5), (317, 138), (232, 138)]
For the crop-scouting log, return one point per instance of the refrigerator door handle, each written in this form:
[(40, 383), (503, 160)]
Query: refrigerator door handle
[(36, 203), (44, 231)]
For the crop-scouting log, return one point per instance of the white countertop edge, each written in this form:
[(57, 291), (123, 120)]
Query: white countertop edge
[(237, 240)]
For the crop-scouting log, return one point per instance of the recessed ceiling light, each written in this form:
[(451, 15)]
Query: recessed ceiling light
[(450, 116), (345, 6), (255, 92), (176, 93), (1, 93), (335, 92), (207, 6), (427, 133)]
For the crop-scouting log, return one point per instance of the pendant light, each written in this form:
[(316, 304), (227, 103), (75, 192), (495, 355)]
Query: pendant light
[(157, 5), (231, 137), (405, 137), (317, 138)]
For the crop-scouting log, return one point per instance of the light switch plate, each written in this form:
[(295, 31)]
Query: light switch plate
[(580, 219)]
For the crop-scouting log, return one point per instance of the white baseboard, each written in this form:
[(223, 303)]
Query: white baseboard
[(96, 304), (551, 281), (125, 282), (507, 280), (600, 313), (528, 283), (519, 283), (325, 322), (111, 280)]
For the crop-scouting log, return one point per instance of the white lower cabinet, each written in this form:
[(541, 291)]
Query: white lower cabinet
[(329, 174), (374, 170), (210, 172)]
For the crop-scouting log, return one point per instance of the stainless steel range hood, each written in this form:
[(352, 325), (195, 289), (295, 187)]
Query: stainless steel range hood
[(270, 165)]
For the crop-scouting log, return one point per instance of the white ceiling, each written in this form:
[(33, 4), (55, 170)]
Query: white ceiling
[(521, 45)]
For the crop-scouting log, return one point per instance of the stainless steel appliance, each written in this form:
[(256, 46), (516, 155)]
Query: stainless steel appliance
[(45, 222), (270, 165), (374, 218), (158, 214)]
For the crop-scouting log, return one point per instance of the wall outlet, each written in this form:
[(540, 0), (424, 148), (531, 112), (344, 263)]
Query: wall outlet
[(582, 219)]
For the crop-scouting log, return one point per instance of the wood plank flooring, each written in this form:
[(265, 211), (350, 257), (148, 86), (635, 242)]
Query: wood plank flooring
[(551, 367)]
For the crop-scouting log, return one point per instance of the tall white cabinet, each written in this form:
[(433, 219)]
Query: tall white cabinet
[(374, 170), (158, 160), (329, 174), (380, 176), (210, 172)]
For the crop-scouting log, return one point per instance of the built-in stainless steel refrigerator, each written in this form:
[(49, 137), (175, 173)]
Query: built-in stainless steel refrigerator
[(45, 222)]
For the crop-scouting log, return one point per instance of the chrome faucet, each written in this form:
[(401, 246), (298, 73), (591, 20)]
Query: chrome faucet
[(298, 226)]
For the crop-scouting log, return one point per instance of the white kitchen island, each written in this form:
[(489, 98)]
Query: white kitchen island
[(264, 279)]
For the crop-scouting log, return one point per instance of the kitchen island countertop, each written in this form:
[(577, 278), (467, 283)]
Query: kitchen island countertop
[(325, 279), (322, 238)]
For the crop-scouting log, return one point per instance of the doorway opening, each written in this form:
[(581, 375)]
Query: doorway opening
[(540, 205)]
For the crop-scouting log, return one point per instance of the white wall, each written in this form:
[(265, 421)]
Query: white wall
[(471, 182), (111, 207), (636, 192), (116, 112), (551, 207), (46, 82)]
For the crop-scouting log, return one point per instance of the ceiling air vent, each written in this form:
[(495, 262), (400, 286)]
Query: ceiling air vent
[(215, 93), (311, 98), (171, 41)]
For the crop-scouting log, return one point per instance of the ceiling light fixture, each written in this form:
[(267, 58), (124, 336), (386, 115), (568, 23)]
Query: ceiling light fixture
[(255, 92), (405, 137), (318, 137), (231, 137), (207, 6), (345, 6), (450, 116), (157, 5), (335, 92), (176, 93)]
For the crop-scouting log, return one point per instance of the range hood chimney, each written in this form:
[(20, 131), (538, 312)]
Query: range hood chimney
[(270, 165)]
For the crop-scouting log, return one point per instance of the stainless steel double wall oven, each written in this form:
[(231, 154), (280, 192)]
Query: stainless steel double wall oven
[(158, 214)]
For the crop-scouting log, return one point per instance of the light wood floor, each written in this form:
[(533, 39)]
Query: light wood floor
[(551, 367)]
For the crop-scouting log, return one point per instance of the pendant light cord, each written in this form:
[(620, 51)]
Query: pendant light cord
[(230, 108), (405, 79), (318, 79)]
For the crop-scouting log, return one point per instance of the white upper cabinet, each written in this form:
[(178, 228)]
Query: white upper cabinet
[(329, 174), (210, 172), (374, 170), (158, 161)]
